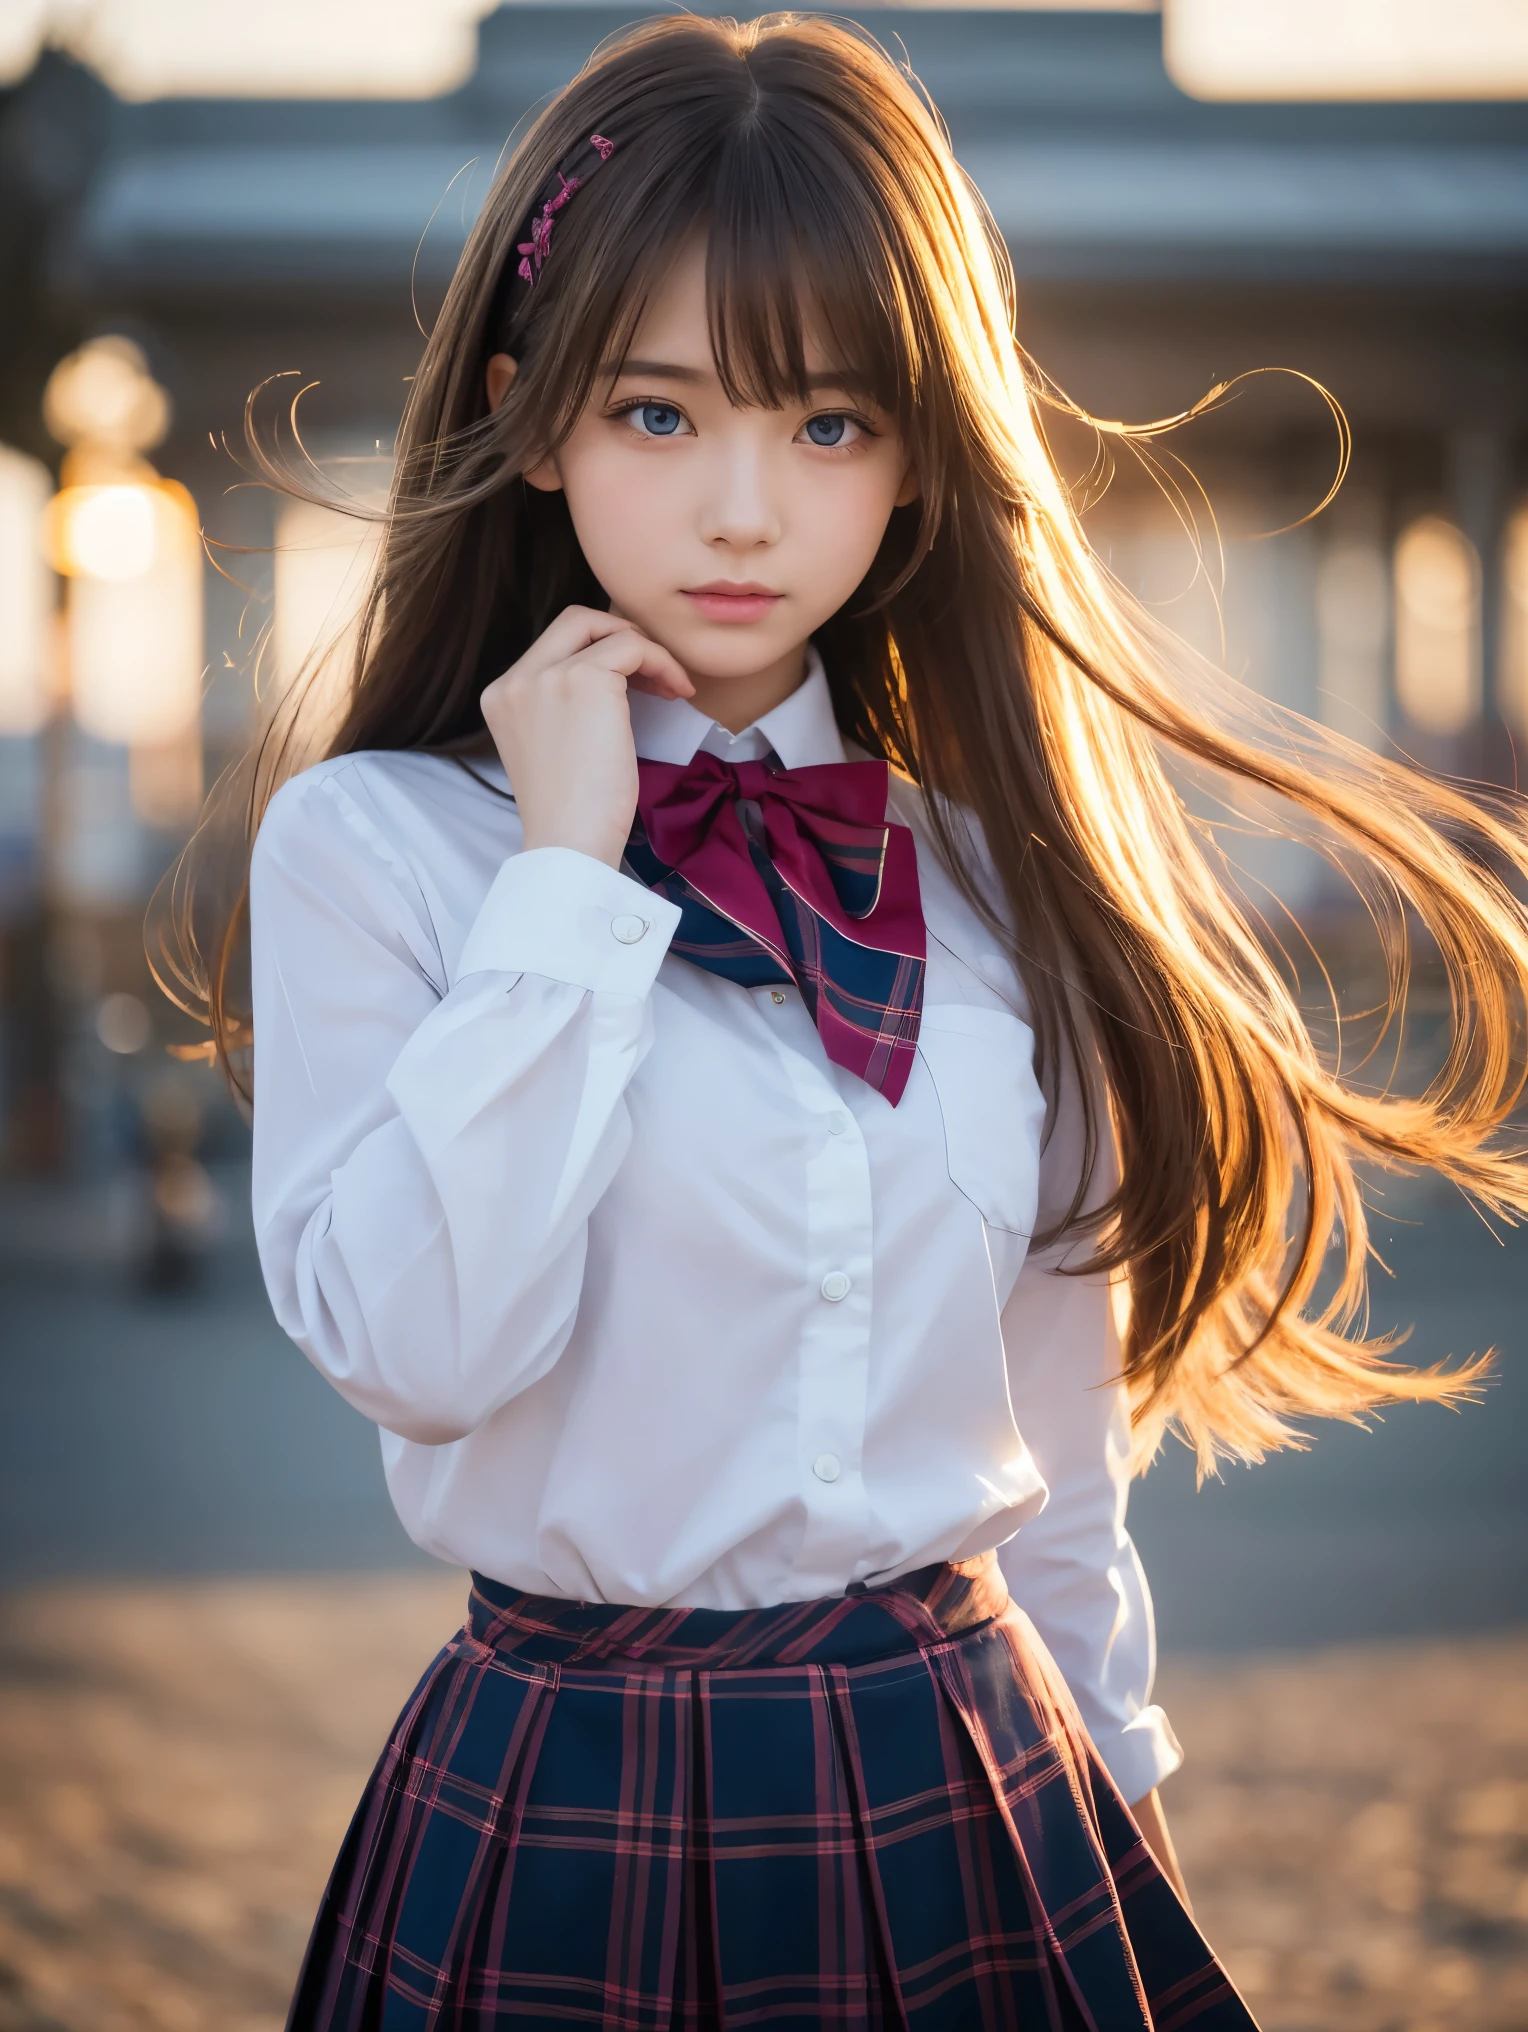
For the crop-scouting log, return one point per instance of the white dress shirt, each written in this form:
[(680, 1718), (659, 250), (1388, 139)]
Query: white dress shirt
[(651, 1301)]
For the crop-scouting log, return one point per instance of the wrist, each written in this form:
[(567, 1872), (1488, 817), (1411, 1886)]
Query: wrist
[(597, 846)]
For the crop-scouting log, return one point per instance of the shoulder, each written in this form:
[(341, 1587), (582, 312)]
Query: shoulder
[(386, 805), (403, 844)]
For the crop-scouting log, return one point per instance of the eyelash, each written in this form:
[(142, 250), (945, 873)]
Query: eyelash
[(635, 402)]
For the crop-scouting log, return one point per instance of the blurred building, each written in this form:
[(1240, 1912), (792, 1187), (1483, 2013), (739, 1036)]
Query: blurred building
[(1162, 245)]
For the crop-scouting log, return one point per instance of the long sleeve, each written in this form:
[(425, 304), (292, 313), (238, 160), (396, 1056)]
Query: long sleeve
[(1073, 1568), (428, 1149)]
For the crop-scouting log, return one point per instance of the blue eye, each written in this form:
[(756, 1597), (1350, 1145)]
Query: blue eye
[(657, 419), (827, 430)]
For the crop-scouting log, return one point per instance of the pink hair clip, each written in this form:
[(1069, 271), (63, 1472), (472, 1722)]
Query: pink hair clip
[(571, 174)]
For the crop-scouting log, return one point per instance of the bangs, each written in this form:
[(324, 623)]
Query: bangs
[(798, 254), (795, 253)]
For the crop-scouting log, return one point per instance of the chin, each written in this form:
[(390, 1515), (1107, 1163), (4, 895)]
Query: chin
[(727, 651)]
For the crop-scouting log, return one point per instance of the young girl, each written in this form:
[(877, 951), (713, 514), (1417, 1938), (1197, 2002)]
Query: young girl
[(739, 1016)]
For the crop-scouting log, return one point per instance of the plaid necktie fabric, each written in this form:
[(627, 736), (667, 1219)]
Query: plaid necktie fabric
[(795, 875)]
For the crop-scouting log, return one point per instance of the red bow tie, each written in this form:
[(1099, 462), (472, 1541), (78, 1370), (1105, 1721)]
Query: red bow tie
[(805, 864)]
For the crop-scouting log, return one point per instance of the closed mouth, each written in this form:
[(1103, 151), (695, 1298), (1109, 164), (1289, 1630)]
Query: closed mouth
[(729, 604)]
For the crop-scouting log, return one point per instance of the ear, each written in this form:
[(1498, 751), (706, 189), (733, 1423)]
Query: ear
[(502, 369), (910, 489), (500, 378)]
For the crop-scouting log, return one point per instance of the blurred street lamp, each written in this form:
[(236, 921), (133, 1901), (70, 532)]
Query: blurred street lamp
[(104, 397), (1437, 626), (128, 544)]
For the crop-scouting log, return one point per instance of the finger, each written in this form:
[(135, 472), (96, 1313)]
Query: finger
[(574, 629), (645, 665)]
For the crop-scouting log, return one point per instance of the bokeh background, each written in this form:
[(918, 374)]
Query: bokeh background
[(208, 1612)]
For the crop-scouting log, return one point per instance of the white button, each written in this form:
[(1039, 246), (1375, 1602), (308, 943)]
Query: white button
[(776, 997), (826, 1467), (629, 929), (835, 1286), (837, 1123)]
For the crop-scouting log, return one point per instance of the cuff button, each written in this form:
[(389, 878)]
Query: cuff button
[(629, 929)]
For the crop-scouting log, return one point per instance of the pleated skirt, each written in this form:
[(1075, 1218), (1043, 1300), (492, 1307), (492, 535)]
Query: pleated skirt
[(869, 1812)]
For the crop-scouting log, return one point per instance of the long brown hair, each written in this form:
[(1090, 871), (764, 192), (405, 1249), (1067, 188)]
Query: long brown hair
[(991, 658)]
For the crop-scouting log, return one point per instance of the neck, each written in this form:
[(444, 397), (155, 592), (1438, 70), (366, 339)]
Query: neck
[(736, 702)]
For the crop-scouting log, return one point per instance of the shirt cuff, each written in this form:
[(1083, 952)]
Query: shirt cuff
[(1142, 1754), (568, 917)]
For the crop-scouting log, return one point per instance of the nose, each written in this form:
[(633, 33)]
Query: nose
[(739, 510)]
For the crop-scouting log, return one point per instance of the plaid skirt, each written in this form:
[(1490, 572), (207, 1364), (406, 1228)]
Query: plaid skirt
[(880, 1810)]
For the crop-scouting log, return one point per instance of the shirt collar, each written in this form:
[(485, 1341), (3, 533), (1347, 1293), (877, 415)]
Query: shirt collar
[(801, 730)]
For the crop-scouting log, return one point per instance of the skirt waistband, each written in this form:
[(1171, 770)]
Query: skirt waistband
[(902, 1617)]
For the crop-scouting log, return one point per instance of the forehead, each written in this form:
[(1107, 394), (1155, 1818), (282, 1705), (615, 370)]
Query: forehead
[(674, 327)]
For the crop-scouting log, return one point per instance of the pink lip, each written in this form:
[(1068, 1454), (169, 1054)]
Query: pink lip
[(724, 601)]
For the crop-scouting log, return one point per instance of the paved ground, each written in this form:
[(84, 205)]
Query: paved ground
[(178, 1761)]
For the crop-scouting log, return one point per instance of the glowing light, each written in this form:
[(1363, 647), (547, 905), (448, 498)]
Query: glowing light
[(1347, 49), (23, 24), (103, 532), (324, 562), (149, 49), (105, 394), (135, 643), (1437, 632), (1513, 683), (26, 595)]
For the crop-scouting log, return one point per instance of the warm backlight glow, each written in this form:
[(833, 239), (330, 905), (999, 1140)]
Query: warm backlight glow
[(324, 561), (26, 595), (1437, 627), (1347, 49), (104, 532), (135, 638), (408, 49), (149, 49), (105, 394), (1513, 698)]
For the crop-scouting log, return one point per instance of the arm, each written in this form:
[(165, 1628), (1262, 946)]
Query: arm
[(1073, 1568), (427, 1153)]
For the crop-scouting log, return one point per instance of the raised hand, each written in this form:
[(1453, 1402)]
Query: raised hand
[(560, 721)]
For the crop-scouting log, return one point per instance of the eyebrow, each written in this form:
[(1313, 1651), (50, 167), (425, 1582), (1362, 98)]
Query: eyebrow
[(668, 370)]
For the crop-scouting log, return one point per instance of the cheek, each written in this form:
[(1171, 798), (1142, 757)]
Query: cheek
[(620, 514), (845, 521)]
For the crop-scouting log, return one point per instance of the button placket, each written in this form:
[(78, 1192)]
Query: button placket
[(835, 1346)]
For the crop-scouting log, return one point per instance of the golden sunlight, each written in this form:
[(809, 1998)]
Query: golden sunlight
[(1347, 49)]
